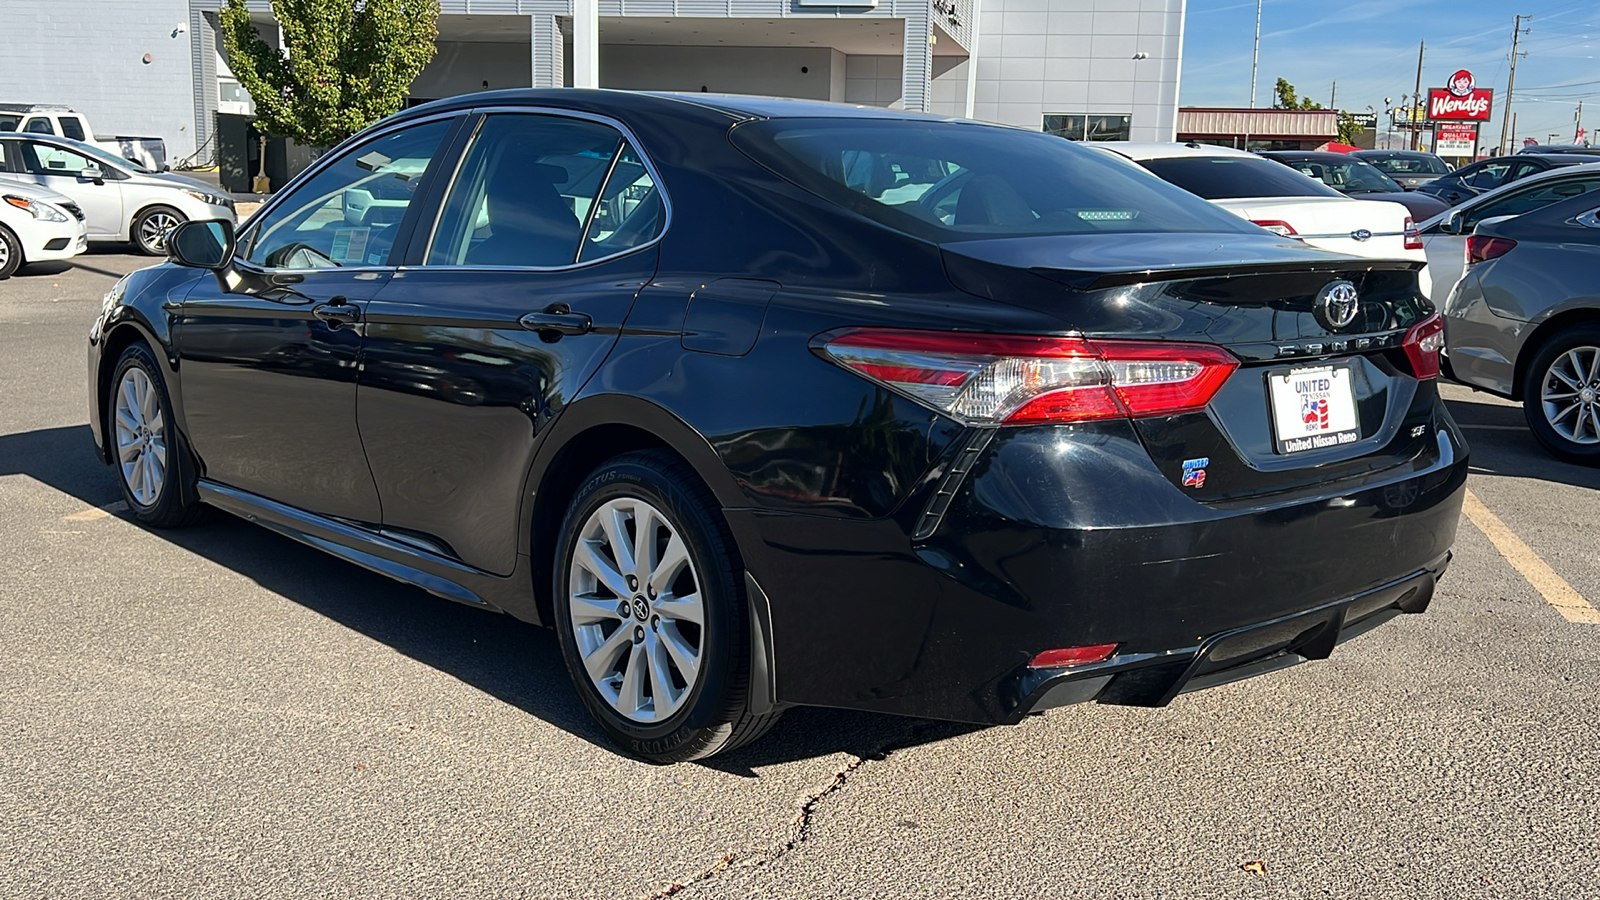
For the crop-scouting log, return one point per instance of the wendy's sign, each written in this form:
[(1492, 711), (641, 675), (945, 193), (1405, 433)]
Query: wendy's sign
[(1460, 102)]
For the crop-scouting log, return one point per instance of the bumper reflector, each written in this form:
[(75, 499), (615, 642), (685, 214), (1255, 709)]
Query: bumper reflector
[(1073, 656)]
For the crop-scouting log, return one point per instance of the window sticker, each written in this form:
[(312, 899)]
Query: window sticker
[(349, 245)]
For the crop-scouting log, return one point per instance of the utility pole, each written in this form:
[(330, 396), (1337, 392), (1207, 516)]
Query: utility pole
[(1414, 124), (1255, 58), (1513, 132), (1577, 125), (1511, 85), (1333, 96)]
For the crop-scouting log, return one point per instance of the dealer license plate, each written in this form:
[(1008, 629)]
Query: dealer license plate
[(1312, 408)]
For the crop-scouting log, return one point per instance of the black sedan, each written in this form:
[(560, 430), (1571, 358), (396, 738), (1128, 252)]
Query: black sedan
[(1355, 177), (760, 403), (1410, 169), (1488, 174)]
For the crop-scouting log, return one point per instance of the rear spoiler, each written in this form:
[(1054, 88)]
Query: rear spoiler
[(1093, 280)]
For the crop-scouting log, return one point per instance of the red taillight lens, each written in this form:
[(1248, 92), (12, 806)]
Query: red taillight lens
[(1482, 247), (1282, 229), (1019, 380), (1422, 346), (1413, 236), (1073, 656)]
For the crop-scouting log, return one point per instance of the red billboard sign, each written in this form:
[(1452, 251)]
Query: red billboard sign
[(1474, 107)]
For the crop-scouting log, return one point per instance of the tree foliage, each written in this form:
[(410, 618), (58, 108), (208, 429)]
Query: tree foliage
[(345, 64), (1285, 97)]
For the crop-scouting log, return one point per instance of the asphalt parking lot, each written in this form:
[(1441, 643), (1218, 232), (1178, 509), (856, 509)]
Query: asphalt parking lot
[(221, 712)]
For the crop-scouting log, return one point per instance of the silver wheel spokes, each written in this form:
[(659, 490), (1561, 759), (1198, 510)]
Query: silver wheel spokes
[(141, 436), (637, 610), (153, 230), (1570, 395), (5, 254)]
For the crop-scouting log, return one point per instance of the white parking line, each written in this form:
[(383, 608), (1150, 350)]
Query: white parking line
[(1555, 590)]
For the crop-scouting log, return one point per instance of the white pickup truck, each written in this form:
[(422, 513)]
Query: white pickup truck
[(63, 121)]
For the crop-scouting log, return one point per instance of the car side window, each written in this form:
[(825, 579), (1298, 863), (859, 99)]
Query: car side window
[(46, 159), (38, 125), (1492, 175), (72, 127), (349, 211), (630, 211), (533, 192), (1537, 196)]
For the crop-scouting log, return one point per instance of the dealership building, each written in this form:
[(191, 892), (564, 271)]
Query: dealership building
[(1086, 69)]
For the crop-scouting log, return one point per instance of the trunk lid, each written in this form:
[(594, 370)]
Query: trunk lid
[(1261, 299)]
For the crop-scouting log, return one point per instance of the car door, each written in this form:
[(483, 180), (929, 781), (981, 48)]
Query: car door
[(511, 303), (1447, 253), (68, 172), (267, 366)]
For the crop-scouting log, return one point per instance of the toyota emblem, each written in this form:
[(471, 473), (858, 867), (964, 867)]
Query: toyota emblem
[(1337, 304)]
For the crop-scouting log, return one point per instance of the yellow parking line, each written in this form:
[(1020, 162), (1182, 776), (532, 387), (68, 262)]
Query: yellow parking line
[(1555, 590)]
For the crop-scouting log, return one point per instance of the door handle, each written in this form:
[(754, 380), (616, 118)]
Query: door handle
[(337, 312), (559, 318)]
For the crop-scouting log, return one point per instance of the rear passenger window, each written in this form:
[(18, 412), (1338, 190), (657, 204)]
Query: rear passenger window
[(37, 125), (540, 191), (71, 127)]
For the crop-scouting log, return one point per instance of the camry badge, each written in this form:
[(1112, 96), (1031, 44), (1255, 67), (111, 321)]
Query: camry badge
[(1337, 304), (1361, 234)]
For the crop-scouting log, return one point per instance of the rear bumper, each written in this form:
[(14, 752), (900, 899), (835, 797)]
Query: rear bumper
[(1155, 679), (1069, 536)]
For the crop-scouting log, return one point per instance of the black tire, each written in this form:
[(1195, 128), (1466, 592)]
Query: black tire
[(714, 716), (174, 503), (1562, 447), (146, 244), (10, 253)]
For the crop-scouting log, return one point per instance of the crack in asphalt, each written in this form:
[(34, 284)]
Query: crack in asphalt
[(800, 828)]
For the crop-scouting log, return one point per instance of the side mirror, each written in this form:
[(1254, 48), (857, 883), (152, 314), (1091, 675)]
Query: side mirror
[(1451, 223), (205, 244), (94, 174)]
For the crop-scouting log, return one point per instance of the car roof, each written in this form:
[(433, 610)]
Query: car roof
[(1311, 155), (1396, 153), (739, 106), (33, 107), (1141, 150)]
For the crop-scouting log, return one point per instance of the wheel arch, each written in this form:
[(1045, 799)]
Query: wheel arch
[(1543, 333), (22, 252), (122, 332)]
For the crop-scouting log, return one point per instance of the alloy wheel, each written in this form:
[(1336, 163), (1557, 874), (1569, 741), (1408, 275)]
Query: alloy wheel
[(1570, 395), (141, 436), (153, 230), (5, 254), (637, 610)]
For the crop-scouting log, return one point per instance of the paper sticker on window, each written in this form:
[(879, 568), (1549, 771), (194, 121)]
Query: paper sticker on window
[(349, 245)]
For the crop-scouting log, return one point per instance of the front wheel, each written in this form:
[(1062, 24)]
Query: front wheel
[(154, 468), (151, 227), (1561, 397), (10, 253), (651, 612)]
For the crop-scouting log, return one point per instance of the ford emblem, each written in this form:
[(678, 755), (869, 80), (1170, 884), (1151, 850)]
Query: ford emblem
[(1337, 304), (1361, 234)]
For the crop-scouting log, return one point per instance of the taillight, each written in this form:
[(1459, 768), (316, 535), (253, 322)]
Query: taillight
[(1413, 235), (1018, 380), (1073, 656), (1422, 346), (1282, 229), (1483, 247)]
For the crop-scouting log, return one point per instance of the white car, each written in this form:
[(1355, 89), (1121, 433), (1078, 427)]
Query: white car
[(1445, 235), (37, 225), (1284, 201), (122, 200)]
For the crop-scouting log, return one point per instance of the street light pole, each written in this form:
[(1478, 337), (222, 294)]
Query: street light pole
[(1255, 58)]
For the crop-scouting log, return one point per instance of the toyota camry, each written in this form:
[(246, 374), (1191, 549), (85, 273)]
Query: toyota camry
[(762, 403)]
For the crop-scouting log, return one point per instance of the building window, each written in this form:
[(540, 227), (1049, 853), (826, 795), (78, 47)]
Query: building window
[(1089, 127)]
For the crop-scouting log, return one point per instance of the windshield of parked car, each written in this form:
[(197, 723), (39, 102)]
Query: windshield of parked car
[(1409, 165), (949, 181), (1347, 175), (1232, 177), (94, 152)]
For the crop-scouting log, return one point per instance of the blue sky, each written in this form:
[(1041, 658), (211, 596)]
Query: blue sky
[(1370, 48)]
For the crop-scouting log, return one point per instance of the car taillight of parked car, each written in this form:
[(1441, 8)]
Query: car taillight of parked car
[(985, 379), (1483, 247), (1413, 235), (1422, 345), (1277, 227)]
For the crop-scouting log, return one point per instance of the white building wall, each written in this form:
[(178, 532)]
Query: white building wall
[(722, 70), (90, 57), (461, 68), (1074, 57)]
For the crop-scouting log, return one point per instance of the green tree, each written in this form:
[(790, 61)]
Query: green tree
[(1348, 129), (345, 64), (1284, 97)]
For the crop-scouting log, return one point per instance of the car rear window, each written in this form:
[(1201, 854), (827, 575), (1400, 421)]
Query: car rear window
[(951, 181), (1409, 165), (1231, 177)]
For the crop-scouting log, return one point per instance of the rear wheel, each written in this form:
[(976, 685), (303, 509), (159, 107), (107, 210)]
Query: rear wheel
[(651, 614), (10, 253), (151, 226), (153, 466), (1561, 397)]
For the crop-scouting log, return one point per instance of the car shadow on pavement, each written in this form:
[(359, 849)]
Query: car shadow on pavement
[(1502, 445), (511, 660)]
